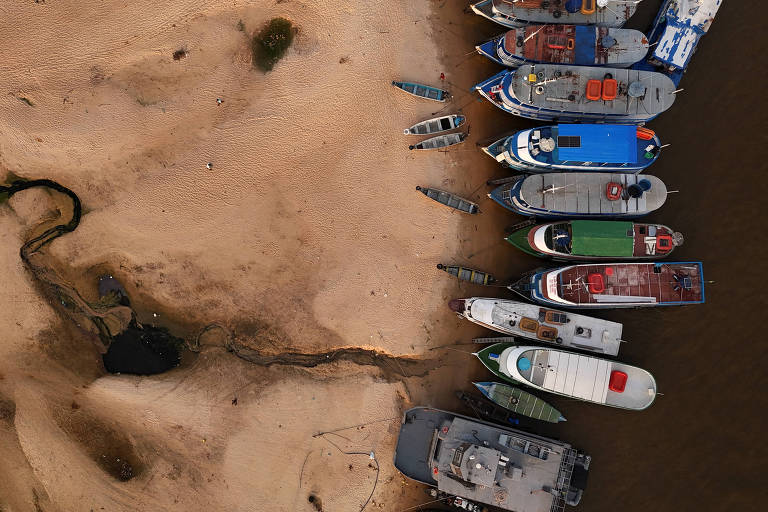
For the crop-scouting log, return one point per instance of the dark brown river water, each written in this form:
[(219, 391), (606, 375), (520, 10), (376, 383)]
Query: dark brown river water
[(701, 445)]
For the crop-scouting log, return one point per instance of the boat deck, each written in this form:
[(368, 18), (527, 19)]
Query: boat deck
[(514, 466), (633, 282), (546, 325), (585, 193), (564, 88), (587, 378), (646, 239)]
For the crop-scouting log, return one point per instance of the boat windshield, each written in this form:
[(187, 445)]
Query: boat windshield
[(558, 237)]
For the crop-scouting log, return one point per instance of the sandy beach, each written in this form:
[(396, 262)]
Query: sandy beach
[(306, 236)]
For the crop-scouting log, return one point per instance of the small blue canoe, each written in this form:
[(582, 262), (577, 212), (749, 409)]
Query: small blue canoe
[(423, 91)]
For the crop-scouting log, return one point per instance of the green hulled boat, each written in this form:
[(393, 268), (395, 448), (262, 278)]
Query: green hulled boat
[(519, 401), (596, 240)]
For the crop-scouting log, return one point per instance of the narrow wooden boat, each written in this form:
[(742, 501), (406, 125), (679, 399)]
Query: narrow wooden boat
[(518, 401), (582, 195), (422, 91), (615, 285), (595, 240), (436, 125), (441, 141), (468, 274), (580, 147), (450, 200), (580, 45), (541, 324), (587, 378)]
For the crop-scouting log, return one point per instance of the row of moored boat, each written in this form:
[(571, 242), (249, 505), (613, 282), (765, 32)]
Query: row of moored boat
[(582, 188)]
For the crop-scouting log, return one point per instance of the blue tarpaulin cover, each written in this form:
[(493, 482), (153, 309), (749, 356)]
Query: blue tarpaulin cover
[(585, 42), (599, 143)]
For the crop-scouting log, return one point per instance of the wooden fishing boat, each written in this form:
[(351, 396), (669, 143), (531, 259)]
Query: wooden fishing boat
[(541, 324), (565, 93), (519, 13), (422, 91), (468, 274), (587, 378), (436, 125), (450, 200), (580, 45), (595, 240), (582, 195), (518, 401), (615, 285), (441, 141), (580, 147)]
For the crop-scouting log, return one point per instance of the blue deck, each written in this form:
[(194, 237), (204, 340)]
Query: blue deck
[(599, 143)]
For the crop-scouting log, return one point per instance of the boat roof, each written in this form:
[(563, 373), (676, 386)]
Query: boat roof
[(627, 283), (525, 320), (577, 44), (563, 87), (514, 466), (615, 14), (584, 193), (597, 143), (583, 377), (602, 238), (686, 22)]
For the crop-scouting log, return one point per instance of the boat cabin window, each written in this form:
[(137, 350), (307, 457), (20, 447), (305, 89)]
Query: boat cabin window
[(529, 324), (569, 141), (558, 238)]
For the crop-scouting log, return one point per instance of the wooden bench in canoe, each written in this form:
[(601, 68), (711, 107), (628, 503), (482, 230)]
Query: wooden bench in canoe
[(450, 200), (468, 274), (441, 141), (436, 125), (423, 91)]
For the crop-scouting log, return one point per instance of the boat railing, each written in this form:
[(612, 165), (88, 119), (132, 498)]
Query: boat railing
[(564, 479)]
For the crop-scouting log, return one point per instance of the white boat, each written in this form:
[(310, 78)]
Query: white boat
[(586, 378), (441, 141), (541, 324)]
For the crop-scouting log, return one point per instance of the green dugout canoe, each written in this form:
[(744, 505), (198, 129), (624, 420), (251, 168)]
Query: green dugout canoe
[(519, 401)]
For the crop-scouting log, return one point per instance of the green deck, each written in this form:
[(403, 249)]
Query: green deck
[(602, 238)]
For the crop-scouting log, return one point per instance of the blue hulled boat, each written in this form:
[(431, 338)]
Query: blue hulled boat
[(567, 44), (615, 285), (561, 93), (582, 195), (583, 147)]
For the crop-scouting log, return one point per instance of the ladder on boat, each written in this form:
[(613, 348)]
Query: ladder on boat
[(564, 480)]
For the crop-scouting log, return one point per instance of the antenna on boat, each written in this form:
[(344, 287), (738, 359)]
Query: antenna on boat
[(677, 91), (672, 192), (665, 146)]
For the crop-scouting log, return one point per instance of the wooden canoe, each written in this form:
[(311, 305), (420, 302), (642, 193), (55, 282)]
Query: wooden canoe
[(519, 402), (422, 91), (487, 410), (468, 274), (436, 125), (441, 141), (450, 200)]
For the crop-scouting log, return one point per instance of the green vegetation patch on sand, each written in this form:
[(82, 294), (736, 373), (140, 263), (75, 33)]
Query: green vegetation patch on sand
[(270, 45)]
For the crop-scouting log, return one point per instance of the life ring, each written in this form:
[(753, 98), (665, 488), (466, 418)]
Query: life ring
[(556, 13), (596, 283), (613, 191)]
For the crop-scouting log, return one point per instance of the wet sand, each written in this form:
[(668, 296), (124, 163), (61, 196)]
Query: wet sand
[(308, 237)]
